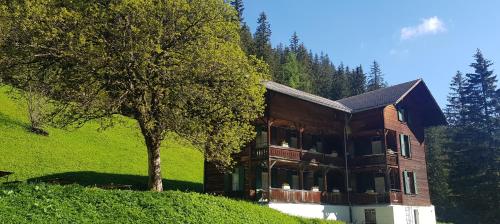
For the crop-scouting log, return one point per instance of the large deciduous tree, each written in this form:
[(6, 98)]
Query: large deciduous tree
[(172, 65)]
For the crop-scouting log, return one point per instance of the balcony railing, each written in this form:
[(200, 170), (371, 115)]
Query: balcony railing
[(296, 155), (294, 196), (305, 155), (392, 197), (317, 197), (333, 198), (367, 160)]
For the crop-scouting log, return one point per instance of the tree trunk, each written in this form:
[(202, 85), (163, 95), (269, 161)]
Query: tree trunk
[(153, 143), (154, 161)]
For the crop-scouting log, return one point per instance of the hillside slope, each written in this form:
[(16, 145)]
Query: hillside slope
[(74, 204), (87, 156)]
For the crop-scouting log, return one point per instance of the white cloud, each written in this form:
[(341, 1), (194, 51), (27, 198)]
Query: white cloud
[(432, 25)]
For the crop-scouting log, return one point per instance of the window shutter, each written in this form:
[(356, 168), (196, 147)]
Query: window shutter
[(400, 114), (415, 182), (402, 145), (406, 182), (241, 178), (227, 182), (258, 177), (409, 147)]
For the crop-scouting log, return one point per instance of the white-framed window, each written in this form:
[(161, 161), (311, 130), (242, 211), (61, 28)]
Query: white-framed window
[(405, 145), (410, 182)]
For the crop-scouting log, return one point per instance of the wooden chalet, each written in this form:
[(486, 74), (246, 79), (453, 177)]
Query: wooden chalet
[(367, 149)]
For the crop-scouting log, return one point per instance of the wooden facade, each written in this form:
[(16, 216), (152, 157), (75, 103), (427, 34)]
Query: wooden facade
[(310, 153)]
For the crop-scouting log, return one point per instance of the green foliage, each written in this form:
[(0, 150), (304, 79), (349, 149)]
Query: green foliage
[(89, 156), (438, 168), (166, 64), (74, 204), (376, 77), (262, 38), (472, 148), (293, 73)]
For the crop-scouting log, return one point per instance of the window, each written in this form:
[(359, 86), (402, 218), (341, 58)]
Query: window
[(261, 139), (370, 216), (377, 145), (234, 181), (410, 182), (403, 115), (405, 145)]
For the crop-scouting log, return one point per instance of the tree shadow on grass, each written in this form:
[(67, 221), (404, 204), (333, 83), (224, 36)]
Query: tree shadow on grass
[(8, 121), (114, 181)]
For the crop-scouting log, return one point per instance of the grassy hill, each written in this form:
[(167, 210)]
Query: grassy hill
[(75, 204), (87, 156)]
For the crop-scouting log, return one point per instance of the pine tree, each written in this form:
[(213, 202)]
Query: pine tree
[(376, 78), (438, 168), (481, 93), (357, 81), (474, 146), (323, 76), (246, 40), (262, 38), (293, 74), (339, 88), (238, 6), (294, 42), (455, 109)]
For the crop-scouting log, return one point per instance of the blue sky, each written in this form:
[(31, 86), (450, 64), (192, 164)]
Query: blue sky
[(410, 39)]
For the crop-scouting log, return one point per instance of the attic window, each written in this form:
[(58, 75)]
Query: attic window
[(402, 114)]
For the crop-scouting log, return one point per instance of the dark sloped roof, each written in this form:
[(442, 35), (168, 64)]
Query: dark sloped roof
[(270, 85), (379, 98), (416, 90)]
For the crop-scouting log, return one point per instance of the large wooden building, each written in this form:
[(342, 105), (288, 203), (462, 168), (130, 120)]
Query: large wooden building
[(360, 159)]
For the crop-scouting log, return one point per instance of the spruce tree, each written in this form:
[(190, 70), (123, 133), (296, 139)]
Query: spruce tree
[(438, 168), (455, 109), (357, 81), (262, 38), (238, 6), (339, 88), (376, 78), (294, 42), (246, 40), (474, 146), (481, 98), (323, 78)]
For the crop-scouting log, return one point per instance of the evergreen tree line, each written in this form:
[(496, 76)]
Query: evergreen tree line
[(464, 157), (296, 66)]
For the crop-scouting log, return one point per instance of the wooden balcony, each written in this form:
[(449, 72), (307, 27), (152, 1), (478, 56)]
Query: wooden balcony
[(294, 196), (367, 160), (333, 198), (369, 198), (286, 153), (317, 197), (373, 160), (392, 197)]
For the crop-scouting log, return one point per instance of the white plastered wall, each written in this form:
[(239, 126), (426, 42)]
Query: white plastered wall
[(385, 214), (331, 212)]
